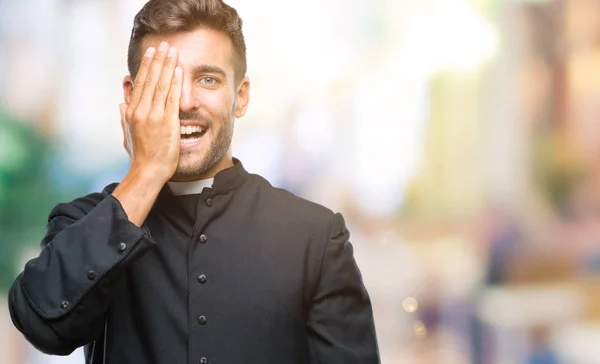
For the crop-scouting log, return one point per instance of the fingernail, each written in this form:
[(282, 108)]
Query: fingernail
[(150, 52), (163, 46), (171, 52), (178, 71)]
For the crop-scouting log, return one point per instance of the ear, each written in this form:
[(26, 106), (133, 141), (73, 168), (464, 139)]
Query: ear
[(242, 98), (127, 89)]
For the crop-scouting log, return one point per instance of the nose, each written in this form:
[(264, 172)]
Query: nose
[(187, 101)]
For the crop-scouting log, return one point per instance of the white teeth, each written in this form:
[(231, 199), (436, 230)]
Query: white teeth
[(189, 140), (190, 129)]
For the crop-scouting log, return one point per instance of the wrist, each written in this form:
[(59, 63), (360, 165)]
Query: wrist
[(147, 176), (137, 193)]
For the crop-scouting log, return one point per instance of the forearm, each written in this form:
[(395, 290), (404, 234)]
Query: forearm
[(60, 300), (137, 193)]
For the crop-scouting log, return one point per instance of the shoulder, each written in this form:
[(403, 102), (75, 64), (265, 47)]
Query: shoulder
[(81, 205), (284, 205)]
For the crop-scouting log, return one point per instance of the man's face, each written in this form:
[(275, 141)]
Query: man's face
[(210, 100)]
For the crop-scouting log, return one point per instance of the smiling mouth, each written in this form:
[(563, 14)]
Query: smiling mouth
[(191, 134)]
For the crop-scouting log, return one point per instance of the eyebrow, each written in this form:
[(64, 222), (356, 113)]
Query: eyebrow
[(208, 69)]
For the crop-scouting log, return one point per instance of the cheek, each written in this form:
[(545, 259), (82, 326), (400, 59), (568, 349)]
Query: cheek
[(216, 102)]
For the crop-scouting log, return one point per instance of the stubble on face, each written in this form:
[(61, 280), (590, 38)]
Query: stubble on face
[(193, 162)]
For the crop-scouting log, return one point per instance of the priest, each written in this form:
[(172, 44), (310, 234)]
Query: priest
[(190, 258)]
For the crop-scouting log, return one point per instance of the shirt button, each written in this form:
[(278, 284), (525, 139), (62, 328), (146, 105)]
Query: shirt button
[(203, 239), (202, 278), (209, 202), (202, 320), (91, 275), (64, 305), (122, 247), (203, 361)]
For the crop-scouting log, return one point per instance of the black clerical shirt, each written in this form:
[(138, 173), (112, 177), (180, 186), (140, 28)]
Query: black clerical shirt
[(240, 273)]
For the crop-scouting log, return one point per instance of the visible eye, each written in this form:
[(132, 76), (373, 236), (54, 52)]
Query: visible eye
[(209, 81)]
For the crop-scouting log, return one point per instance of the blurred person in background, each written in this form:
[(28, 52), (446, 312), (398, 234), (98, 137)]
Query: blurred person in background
[(190, 258), (542, 351)]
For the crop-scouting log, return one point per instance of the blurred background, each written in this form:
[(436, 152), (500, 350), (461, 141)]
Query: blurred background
[(459, 139)]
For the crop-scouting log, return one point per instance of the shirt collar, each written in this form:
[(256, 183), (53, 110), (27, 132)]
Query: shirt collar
[(230, 178), (224, 181), (190, 188)]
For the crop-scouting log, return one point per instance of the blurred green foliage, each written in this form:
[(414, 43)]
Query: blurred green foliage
[(557, 170), (26, 196)]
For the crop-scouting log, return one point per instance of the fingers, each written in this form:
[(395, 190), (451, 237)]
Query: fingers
[(164, 83), (172, 99), (140, 80), (152, 78)]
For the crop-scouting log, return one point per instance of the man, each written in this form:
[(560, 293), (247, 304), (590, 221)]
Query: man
[(191, 259)]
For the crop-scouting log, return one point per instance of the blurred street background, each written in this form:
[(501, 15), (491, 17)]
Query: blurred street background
[(460, 139)]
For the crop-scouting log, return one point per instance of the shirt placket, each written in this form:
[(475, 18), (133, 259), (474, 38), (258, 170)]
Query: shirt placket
[(198, 280)]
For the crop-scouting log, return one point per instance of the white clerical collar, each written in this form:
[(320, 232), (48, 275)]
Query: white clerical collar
[(190, 188)]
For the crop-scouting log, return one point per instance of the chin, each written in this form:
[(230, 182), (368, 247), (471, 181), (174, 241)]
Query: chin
[(191, 168)]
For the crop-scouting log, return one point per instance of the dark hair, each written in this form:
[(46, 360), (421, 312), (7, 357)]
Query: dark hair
[(171, 16)]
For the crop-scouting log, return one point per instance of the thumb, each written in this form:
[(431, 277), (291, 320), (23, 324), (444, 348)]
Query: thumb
[(125, 128), (122, 109)]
